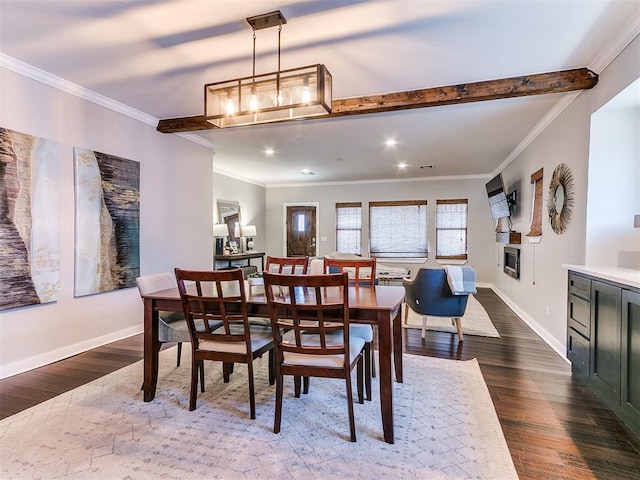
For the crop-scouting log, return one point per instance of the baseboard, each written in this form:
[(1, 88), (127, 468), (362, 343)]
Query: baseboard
[(66, 352), (542, 332)]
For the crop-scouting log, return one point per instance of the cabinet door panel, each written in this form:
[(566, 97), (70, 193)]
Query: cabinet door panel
[(631, 356), (579, 312), (606, 334), (579, 286), (578, 352)]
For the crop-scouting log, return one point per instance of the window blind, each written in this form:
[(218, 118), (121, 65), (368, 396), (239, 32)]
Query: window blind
[(398, 229), (535, 227), (349, 227), (451, 229)]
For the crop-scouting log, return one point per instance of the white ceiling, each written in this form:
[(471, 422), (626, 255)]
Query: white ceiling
[(154, 56)]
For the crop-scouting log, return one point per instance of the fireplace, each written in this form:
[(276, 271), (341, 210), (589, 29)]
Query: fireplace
[(512, 262)]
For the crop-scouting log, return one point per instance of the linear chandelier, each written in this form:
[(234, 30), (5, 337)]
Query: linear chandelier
[(279, 96)]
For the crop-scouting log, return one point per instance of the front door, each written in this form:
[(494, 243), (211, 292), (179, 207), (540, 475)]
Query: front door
[(301, 230)]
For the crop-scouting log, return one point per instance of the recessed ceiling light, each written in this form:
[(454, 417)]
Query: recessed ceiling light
[(306, 171), (390, 142), (269, 151), (403, 165)]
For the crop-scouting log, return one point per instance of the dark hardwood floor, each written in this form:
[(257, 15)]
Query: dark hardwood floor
[(556, 428)]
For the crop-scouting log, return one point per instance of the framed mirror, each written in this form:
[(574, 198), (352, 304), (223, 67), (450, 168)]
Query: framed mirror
[(229, 213), (560, 201)]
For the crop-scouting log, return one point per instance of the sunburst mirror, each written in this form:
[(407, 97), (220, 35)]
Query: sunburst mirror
[(560, 201)]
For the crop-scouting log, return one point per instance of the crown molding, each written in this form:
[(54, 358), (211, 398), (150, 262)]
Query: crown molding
[(71, 88), (66, 86), (237, 177), (627, 34), (386, 180), (559, 107), (197, 139)]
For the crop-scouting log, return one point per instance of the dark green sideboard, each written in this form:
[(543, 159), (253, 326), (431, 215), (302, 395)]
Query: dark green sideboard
[(603, 341)]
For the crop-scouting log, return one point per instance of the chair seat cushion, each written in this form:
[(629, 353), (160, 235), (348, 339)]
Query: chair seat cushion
[(260, 336), (332, 361), (178, 330), (261, 321), (362, 331)]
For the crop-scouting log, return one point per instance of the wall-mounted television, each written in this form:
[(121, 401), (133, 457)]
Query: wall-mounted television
[(498, 203)]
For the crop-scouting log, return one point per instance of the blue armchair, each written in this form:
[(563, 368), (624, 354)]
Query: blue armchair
[(428, 293)]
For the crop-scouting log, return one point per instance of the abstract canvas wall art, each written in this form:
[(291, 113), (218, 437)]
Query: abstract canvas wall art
[(107, 222), (29, 240)]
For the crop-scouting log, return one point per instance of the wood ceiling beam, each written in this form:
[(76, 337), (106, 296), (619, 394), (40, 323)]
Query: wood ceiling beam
[(526, 85)]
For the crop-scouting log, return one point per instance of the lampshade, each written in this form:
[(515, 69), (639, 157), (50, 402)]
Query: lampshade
[(249, 231), (220, 230)]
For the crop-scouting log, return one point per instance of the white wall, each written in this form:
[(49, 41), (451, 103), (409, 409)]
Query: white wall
[(540, 295), (481, 236), (175, 226), (614, 196)]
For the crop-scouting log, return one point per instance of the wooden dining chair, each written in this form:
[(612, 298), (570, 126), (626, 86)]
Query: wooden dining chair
[(362, 273), (220, 296), (293, 265), (310, 324)]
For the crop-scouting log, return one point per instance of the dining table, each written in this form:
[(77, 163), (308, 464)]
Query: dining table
[(379, 306)]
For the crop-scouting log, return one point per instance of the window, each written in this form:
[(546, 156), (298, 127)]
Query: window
[(349, 227), (451, 229), (398, 229), (300, 223)]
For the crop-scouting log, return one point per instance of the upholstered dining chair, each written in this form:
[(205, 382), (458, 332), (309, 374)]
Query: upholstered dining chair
[(429, 293), (293, 265), (362, 272), (172, 326), (220, 296), (313, 338)]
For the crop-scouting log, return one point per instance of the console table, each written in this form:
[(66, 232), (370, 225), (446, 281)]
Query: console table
[(242, 257), (385, 278)]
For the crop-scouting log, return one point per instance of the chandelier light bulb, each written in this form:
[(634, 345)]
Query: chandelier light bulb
[(306, 94), (277, 99), (230, 108), (253, 100), (253, 103)]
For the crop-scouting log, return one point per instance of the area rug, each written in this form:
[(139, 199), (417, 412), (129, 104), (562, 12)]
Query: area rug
[(475, 321), (445, 428)]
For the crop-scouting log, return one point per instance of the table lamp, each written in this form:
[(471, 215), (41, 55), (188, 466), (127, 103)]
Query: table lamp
[(220, 230), (249, 231)]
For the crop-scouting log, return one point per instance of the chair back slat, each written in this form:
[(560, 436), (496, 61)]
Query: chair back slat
[(362, 272)]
